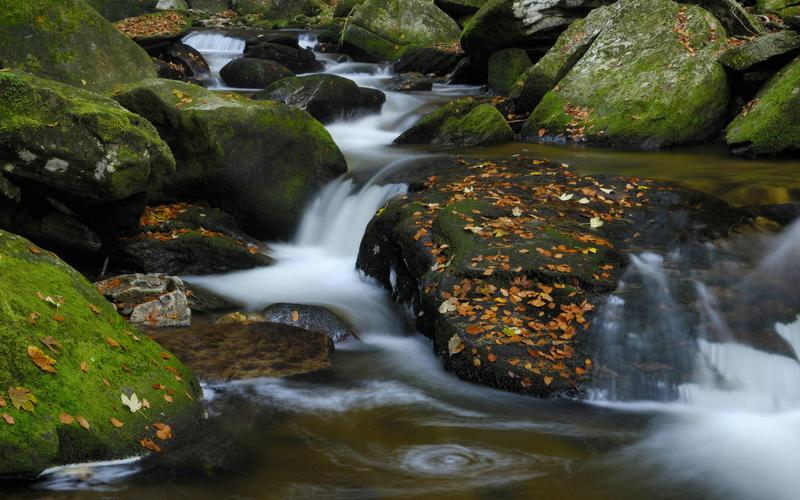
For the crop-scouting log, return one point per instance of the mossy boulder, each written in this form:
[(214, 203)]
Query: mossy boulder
[(50, 313), (67, 40), (260, 161), (277, 9), (428, 60), (76, 142), (114, 10), (774, 6), (770, 124), (737, 20), (210, 6), (325, 97), (382, 29), (651, 78), (506, 67), (460, 8), (344, 8), (762, 50), (156, 28), (463, 122), (250, 73)]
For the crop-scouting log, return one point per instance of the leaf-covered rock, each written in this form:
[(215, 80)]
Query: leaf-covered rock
[(47, 306)]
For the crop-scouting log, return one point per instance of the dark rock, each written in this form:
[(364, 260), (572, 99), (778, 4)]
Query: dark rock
[(170, 70), (60, 233), (345, 8), (258, 37), (189, 58), (427, 60), (241, 351), (769, 49), (203, 300), (464, 122), (316, 318), (114, 10), (407, 82), (325, 97), (10, 196), (460, 8), (506, 67), (469, 71), (498, 242), (277, 9), (249, 73), (295, 59)]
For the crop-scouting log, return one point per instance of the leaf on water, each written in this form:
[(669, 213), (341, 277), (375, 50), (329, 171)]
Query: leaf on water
[(41, 359), (8, 418), (295, 316), (21, 398), (82, 422), (150, 445), (164, 431), (455, 345), (131, 402), (595, 222), (51, 343), (448, 306), (117, 423), (66, 419)]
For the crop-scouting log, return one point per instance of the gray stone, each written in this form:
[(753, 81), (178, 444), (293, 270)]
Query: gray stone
[(309, 317)]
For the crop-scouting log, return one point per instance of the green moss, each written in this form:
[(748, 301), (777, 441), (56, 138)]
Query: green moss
[(465, 122), (81, 321), (506, 67)]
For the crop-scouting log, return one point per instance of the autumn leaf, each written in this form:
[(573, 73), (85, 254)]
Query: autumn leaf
[(21, 398), (35, 250), (8, 418), (84, 367), (117, 423), (50, 342), (548, 380), (146, 403), (164, 355), (2, 402), (66, 419), (167, 398), (59, 318), (82, 422), (566, 197), (455, 345), (94, 309), (111, 342), (33, 318), (164, 431), (491, 357), (41, 359), (131, 402), (448, 306), (150, 445), (595, 222)]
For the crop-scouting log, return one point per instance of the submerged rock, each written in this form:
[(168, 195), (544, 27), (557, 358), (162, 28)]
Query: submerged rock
[(651, 78), (770, 123), (68, 359), (224, 159), (76, 45), (239, 351), (250, 73), (309, 317), (325, 97), (504, 263), (463, 122)]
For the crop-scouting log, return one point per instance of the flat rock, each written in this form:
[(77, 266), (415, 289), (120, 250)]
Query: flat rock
[(778, 46), (309, 317)]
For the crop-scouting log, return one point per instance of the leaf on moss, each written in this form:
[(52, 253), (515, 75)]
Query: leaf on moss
[(150, 445), (82, 422), (164, 431), (117, 423), (51, 343), (66, 419), (112, 343), (41, 359), (21, 398), (84, 367), (8, 418)]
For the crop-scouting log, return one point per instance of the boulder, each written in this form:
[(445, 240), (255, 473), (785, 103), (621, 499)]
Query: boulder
[(59, 232), (427, 60), (10, 196), (157, 28), (172, 5), (774, 6), (128, 291), (506, 67), (170, 310), (503, 263), (210, 6), (382, 29), (344, 8), (464, 122), (770, 123), (76, 45), (325, 97), (250, 73), (408, 82), (772, 48), (309, 317), (460, 8), (277, 9), (224, 159), (188, 58), (237, 351), (68, 359), (189, 239), (295, 59), (651, 78), (737, 20), (76, 142), (114, 10)]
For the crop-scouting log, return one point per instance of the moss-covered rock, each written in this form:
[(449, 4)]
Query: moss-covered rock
[(649, 79), (382, 29), (114, 10), (762, 50), (506, 67), (66, 40), (774, 6), (247, 73), (76, 142), (463, 122), (277, 9), (258, 160), (345, 8), (210, 6), (50, 313), (737, 20), (460, 8), (428, 60), (770, 124)]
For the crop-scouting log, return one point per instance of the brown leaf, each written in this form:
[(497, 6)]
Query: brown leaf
[(164, 431), (94, 309), (41, 359), (150, 445), (2, 402), (167, 398), (164, 355), (66, 419), (106, 382), (84, 367), (59, 318), (82, 422), (295, 316), (146, 403), (51, 343), (111, 342), (117, 423), (35, 250), (8, 418), (21, 398), (33, 318)]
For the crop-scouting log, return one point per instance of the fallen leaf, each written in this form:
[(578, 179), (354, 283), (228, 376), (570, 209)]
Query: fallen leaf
[(2, 402), (164, 355), (566, 196), (595, 222), (111, 342), (150, 445), (167, 398), (41, 359), (516, 212), (295, 316), (50, 342), (146, 403), (448, 306), (82, 422), (84, 367), (94, 309), (455, 345), (8, 418), (66, 419), (59, 318), (164, 431), (548, 380), (131, 402), (21, 398), (35, 250), (117, 423)]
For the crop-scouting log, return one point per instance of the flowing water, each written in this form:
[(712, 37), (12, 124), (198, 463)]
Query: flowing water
[(687, 407)]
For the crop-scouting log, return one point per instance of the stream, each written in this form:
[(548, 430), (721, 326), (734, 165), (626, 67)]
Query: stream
[(388, 422)]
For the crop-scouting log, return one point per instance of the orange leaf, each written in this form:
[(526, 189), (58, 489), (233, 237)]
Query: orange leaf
[(41, 359), (59, 318), (66, 418), (117, 423), (111, 342), (164, 355), (82, 422), (548, 380), (35, 250), (167, 398), (84, 367), (164, 431), (8, 418), (150, 445), (295, 316)]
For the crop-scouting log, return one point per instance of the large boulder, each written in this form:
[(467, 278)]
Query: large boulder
[(66, 40), (250, 73), (155, 29), (463, 122), (765, 50), (737, 20), (344, 8), (210, 6), (506, 67), (223, 157), (294, 58), (770, 123), (325, 97), (310, 317), (651, 78), (460, 8), (277, 9), (114, 10), (427, 60), (68, 363), (149, 300), (503, 263), (76, 142), (236, 351), (382, 29)]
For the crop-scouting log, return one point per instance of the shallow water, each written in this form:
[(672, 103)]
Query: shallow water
[(388, 422)]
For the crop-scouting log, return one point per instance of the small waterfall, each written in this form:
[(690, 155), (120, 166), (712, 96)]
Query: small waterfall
[(218, 50)]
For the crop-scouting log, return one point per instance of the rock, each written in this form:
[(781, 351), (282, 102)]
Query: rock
[(224, 159), (506, 67), (636, 86), (427, 60), (460, 8), (344, 8), (770, 124), (157, 28), (295, 59), (240, 318), (84, 331), (250, 73), (464, 122), (773, 6), (325, 97), (187, 57), (277, 9), (171, 310), (469, 71), (188, 239), (172, 5), (473, 233), (239, 351), (75, 142), (128, 291), (203, 300), (309, 317), (253, 38), (114, 10), (407, 82), (59, 232), (382, 29), (10, 196), (75, 46), (778, 47), (735, 18), (210, 6)]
